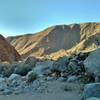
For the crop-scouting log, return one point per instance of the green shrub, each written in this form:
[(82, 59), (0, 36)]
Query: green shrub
[(31, 76), (67, 88), (16, 67)]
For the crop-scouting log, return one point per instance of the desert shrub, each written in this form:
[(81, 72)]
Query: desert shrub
[(67, 88), (31, 76), (22, 69), (16, 67), (6, 69)]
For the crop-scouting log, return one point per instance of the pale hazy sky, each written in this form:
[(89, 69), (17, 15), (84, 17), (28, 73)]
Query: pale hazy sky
[(29, 16)]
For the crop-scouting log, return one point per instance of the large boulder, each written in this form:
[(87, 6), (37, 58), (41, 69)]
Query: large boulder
[(92, 63), (22, 69), (91, 90), (43, 68)]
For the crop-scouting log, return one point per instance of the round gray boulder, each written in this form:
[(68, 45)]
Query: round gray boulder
[(91, 90), (92, 63)]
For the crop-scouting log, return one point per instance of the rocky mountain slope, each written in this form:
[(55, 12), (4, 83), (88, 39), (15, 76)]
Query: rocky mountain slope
[(7, 52), (59, 40)]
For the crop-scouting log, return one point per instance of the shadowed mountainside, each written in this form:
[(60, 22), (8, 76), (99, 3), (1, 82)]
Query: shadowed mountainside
[(7, 52)]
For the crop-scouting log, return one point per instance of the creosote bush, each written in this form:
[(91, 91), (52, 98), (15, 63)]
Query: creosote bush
[(67, 88), (20, 68), (31, 76)]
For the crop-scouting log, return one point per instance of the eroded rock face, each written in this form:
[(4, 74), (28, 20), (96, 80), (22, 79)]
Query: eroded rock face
[(91, 90), (92, 63), (7, 52)]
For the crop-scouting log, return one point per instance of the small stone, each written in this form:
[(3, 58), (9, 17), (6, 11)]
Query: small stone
[(72, 78), (62, 79), (50, 78)]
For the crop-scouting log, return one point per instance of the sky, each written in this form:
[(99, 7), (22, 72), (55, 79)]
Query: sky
[(30, 16)]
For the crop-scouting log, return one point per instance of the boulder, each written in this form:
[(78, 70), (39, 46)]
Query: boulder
[(60, 65), (22, 69), (31, 61), (14, 77), (91, 90), (49, 78), (92, 63), (15, 80), (43, 68), (72, 78)]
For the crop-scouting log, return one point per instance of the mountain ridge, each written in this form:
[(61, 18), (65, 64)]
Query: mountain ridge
[(54, 39)]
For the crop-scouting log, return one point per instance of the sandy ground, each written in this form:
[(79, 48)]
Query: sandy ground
[(56, 92)]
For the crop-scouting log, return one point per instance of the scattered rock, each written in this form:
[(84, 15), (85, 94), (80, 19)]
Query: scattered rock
[(82, 56), (7, 92), (3, 84), (73, 68)]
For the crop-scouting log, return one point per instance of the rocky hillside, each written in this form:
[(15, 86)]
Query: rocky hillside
[(7, 52), (59, 40)]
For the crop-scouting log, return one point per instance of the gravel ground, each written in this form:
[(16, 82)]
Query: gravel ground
[(54, 91)]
